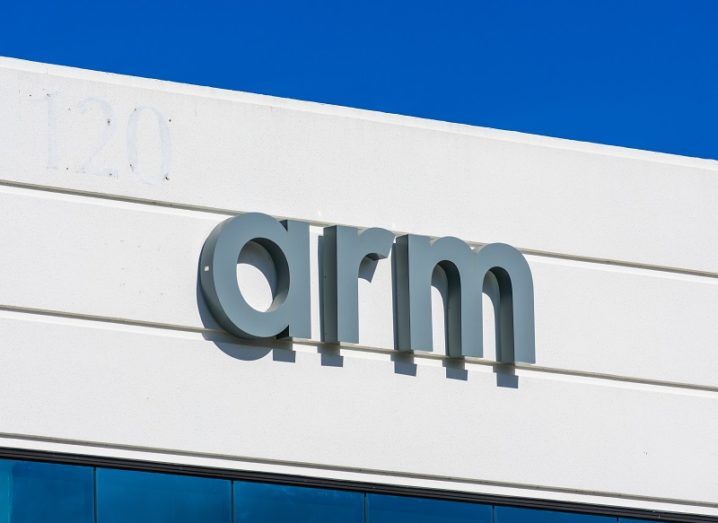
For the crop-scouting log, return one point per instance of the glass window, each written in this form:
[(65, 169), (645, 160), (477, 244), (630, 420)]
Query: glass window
[(37, 492), (265, 503), (526, 515), (399, 509), (31, 491), (130, 496)]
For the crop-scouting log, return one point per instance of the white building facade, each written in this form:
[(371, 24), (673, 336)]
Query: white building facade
[(112, 361)]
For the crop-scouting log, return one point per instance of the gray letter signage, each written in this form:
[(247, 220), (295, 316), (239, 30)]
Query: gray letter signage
[(497, 269), (416, 257), (344, 250), (288, 246), (466, 270)]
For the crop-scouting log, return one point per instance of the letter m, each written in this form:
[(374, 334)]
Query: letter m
[(497, 268)]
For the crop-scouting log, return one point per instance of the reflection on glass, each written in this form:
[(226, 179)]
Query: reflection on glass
[(37, 492), (399, 509), (526, 515), (32, 492), (266, 503), (126, 496)]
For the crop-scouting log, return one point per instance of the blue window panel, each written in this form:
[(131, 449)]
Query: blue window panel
[(265, 503), (5, 491), (526, 515), (399, 509), (33, 492), (125, 496)]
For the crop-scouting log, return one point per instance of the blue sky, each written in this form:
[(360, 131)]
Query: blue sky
[(640, 74)]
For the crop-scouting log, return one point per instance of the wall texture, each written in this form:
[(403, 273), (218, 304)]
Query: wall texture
[(109, 186)]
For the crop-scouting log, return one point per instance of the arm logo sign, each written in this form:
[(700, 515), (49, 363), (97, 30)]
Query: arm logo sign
[(499, 268)]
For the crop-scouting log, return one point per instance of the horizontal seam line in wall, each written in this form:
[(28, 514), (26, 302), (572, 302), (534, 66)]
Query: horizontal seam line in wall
[(355, 470), (286, 344), (317, 223)]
